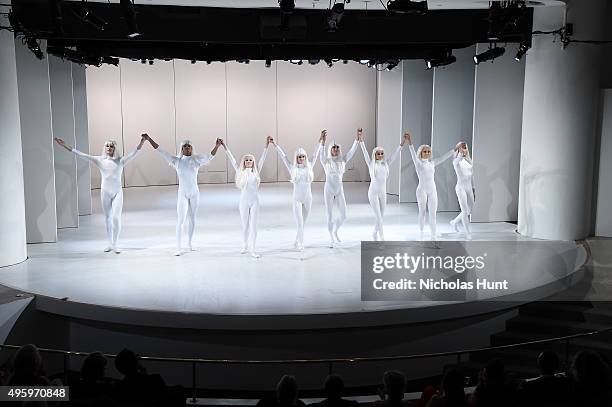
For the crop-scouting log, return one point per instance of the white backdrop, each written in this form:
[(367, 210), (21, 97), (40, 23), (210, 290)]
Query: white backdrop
[(241, 103)]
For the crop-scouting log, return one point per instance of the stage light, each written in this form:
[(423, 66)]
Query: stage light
[(364, 61), (85, 15), (371, 63), (286, 6), (74, 56), (314, 61), (243, 61), (489, 55), (334, 17), (110, 61), (127, 7), (345, 61), (392, 64), (329, 62), (407, 6), (193, 61), (268, 63), (34, 46), (443, 61), (296, 61), (208, 62), (143, 61), (151, 61), (523, 48)]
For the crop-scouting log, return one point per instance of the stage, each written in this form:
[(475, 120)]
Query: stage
[(218, 286)]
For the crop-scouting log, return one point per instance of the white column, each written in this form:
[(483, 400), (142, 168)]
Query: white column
[(453, 111), (62, 113), (79, 95), (603, 220), (37, 142), (496, 142), (559, 125), (12, 205), (417, 96), (389, 121)]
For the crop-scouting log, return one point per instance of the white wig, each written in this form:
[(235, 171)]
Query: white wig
[(183, 143), (109, 143), (467, 157), (298, 152), (420, 150), (373, 167), (241, 174)]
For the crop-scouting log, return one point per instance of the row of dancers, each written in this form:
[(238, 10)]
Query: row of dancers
[(300, 168)]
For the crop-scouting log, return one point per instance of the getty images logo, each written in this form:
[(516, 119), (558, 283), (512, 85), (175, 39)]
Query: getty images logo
[(410, 263)]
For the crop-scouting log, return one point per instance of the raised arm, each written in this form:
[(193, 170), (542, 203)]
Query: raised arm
[(395, 154), (80, 154), (262, 159), (366, 156), (313, 159), (230, 157), (283, 157), (129, 157), (349, 155), (323, 153), (442, 158), (172, 160), (408, 138)]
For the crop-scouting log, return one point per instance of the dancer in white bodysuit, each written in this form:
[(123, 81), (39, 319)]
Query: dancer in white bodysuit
[(111, 193), (187, 166), (378, 166), (334, 164), (300, 170), (464, 188), (426, 193), (247, 180)]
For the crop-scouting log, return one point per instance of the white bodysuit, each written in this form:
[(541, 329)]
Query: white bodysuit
[(187, 168), (334, 191), (377, 192), (426, 193), (249, 201), (465, 192), (302, 192), (111, 192)]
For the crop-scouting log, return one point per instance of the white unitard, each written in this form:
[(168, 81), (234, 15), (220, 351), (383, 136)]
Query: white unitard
[(247, 180), (111, 192), (333, 192), (426, 193), (301, 178), (464, 190), (377, 192), (188, 192)]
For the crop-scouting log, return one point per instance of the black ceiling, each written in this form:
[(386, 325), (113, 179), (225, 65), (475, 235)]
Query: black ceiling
[(203, 33)]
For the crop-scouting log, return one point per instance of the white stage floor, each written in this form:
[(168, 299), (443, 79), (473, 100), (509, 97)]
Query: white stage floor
[(217, 279)]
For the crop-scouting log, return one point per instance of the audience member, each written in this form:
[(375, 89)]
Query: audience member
[(28, 368), (394, 386), (451, 392), (137, 386), (548, 389), (491, 390), (286, 394), (591, 381), (333, 388)]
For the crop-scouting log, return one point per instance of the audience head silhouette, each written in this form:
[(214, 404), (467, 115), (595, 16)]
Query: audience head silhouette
[(334, 386), (395, 384), (27, 361), (94, 367), (548, 362), (126, 362), (286, 390), (452, 386)]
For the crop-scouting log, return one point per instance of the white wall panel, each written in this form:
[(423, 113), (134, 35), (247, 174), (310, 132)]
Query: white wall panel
[(62, 110), (496, 144), (559, 125), (389, 121), (79, 94), (251, 112), (453, 111), (12, 206), (201, 109), (603, 220), (417, 97), (104, 111), (352, 104), (37, 145), (148, 106)]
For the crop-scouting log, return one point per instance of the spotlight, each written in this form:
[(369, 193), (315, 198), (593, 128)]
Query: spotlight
[(489, 55), (371, 63), (268, 63), (296, 61), (208, 62), (329, 62), (110, 61), (34, 46), (523, 48), (392, 64), (407, 6), (314, 61), (193, 61), (74, 56), (345, 61), (151, 62), (127, 7), (442, 61), (286, 6), (364, 61), (143, 61), (85, 15), (334, 17), (243, 61)]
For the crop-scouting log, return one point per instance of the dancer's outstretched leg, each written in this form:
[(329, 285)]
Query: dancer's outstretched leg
[(341, 205), (329, 209), (192, 213), (253, 214), (107, 209), (422, 203), (117, 209), (182, 206), (299, 223)]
